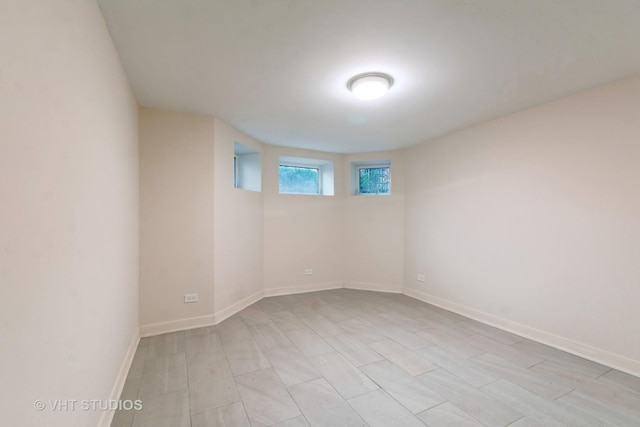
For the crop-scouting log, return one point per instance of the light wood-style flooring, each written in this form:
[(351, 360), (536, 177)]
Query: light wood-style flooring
[(358, 358)]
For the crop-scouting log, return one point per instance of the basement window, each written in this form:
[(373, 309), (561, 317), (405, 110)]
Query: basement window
[(247, 168), (305, 176), (371, 178)]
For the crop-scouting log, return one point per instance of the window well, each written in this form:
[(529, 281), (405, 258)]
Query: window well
[(305, 176)]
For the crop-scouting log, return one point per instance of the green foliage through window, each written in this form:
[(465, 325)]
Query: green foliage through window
[(374, 180), (299, 180)]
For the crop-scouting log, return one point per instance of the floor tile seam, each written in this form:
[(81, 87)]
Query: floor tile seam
[(435, 406), (296, 402), (480, 389), (545, 403), (216, 406), (477, 364), (414, 379), (411, 412), (188, 384), (387, 355), (389, 395), (145, 370), (513, 422), (500, 377), (519, 341), (226, 359), (618, 410), (154, 417), (604, 373), (528, 389), (563, 395), (255, 346)]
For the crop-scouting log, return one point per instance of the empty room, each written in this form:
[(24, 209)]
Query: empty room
[(319, 213)]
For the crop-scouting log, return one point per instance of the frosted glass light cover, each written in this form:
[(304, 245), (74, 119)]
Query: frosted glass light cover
[(370, 86)]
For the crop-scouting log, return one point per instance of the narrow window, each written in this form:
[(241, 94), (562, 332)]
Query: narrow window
[(247, 168)]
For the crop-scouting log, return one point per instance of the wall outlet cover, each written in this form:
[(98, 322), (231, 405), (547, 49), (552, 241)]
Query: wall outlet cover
[(190, 298)]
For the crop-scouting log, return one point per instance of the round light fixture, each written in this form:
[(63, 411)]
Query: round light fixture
[(370, 85)]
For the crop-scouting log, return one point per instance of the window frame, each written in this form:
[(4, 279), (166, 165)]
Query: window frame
[(235, 171), (357, 166), (247, 168)]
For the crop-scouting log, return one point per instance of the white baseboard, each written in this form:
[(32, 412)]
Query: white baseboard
[(107, 416), (300, 289), (176, 325), (597, 355), (376, 287), (234, 308), (225, 313)]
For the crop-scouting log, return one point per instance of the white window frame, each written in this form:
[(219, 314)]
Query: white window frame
[(235, 171), (247, 168), (355, 176)]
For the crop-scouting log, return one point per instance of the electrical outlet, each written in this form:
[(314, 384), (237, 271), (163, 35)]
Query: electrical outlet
[(308, 271), (420, 277), (190, 298)]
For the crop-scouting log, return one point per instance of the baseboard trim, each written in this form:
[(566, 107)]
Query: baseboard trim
[(585, 351), (107, 416), (612, 360), (301, 289), (176, 325), (375, 287), (234, 308)]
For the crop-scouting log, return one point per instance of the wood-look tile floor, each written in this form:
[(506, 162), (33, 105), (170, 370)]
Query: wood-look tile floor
[(347, 357)]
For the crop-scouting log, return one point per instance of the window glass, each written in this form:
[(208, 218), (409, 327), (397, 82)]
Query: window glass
[(299, 179), (374, 180)]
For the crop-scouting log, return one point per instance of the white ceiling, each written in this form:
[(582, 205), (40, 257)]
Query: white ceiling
[(277, 69)]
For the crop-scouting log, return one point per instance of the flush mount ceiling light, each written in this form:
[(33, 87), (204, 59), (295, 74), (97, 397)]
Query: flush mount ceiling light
[(370, 85)]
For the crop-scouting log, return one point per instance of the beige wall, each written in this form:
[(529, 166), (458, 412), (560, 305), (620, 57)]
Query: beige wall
[(238, 223), (373, 238), (357, 241), (68, 211), (198, 234), (534, 219), (301, 231), (201, 235), (176, 215)]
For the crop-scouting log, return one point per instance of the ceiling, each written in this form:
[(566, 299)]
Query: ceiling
[(277, 69)]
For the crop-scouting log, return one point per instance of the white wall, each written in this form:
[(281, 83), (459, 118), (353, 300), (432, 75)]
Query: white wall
[(176, 216), (68, 211), (198, 234), (354, 241), (373, 238), (238, 225), (201, 235), (532, 221), (301, 231)]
